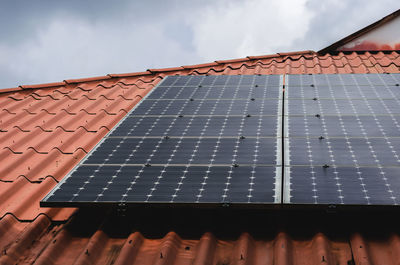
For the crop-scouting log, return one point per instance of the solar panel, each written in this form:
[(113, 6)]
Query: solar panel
[(193, 139), (324, 139), (342, 139)]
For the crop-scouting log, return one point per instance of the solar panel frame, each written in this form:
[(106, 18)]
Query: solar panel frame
[(46, 202)]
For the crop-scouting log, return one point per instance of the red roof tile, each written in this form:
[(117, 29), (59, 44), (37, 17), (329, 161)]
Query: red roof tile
[(43, 85), (45, 130), (82, 80)]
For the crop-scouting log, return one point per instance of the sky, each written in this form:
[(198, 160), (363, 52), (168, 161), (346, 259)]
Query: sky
[(49, 41)]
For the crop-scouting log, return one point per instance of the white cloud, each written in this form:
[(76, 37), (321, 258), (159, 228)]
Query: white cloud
[(73, 48), (61, 43), (239, 28)]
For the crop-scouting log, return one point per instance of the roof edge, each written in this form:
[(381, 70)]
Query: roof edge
[(358, 33), (88, 79), (238, 60), (194, 66), (154, 71), (130, 74), (170, 69), (43, 85), (35, 86), (11, 89)]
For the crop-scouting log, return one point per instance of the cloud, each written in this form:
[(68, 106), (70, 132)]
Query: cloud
[(336, 19), (240, 28), (48, 41), (70, 47)]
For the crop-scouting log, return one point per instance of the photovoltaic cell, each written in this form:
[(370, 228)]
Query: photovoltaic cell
[(193, 139), (168, 184), (208, 107), (333, 80), (197, 126), (342, 140), (159, 151)]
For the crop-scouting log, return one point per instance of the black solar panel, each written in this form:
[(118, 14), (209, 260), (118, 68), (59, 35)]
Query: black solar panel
[(332, 139), (193, 139), (342, 139), (332, 80)]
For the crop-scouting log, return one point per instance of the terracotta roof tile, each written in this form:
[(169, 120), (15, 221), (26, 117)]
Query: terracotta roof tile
[(44, 142), (82, 80), (261, 57), (232, 61), (11, 89), (171, 69), (45, 130), (65, 244), (21, 198), (196, 66), (130, 74), (57, 84)]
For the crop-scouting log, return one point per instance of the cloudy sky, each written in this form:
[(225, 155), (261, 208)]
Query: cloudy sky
[(47, 41)]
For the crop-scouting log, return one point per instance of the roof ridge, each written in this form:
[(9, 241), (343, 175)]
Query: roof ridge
[(157, 72), (152, 71)]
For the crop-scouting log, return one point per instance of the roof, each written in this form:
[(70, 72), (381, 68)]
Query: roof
[(375, 37), (46, 129)]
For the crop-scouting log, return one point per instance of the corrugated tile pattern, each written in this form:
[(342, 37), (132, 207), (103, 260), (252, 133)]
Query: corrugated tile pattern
[(46, 129), (41, 242)]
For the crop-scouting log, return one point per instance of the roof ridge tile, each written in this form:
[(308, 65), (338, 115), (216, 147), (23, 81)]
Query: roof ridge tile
[(87, 79), (169, 69), (130, 74), (12, 89), (297, 53), (45, 85), (245, 59), (260, 57), (195, 66)]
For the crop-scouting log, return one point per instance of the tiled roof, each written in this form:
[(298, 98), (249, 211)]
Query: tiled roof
[(46, 129)]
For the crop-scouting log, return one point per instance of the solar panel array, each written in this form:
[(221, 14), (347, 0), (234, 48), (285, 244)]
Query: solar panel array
[(193, 139), (342, 142), (324, 139)]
